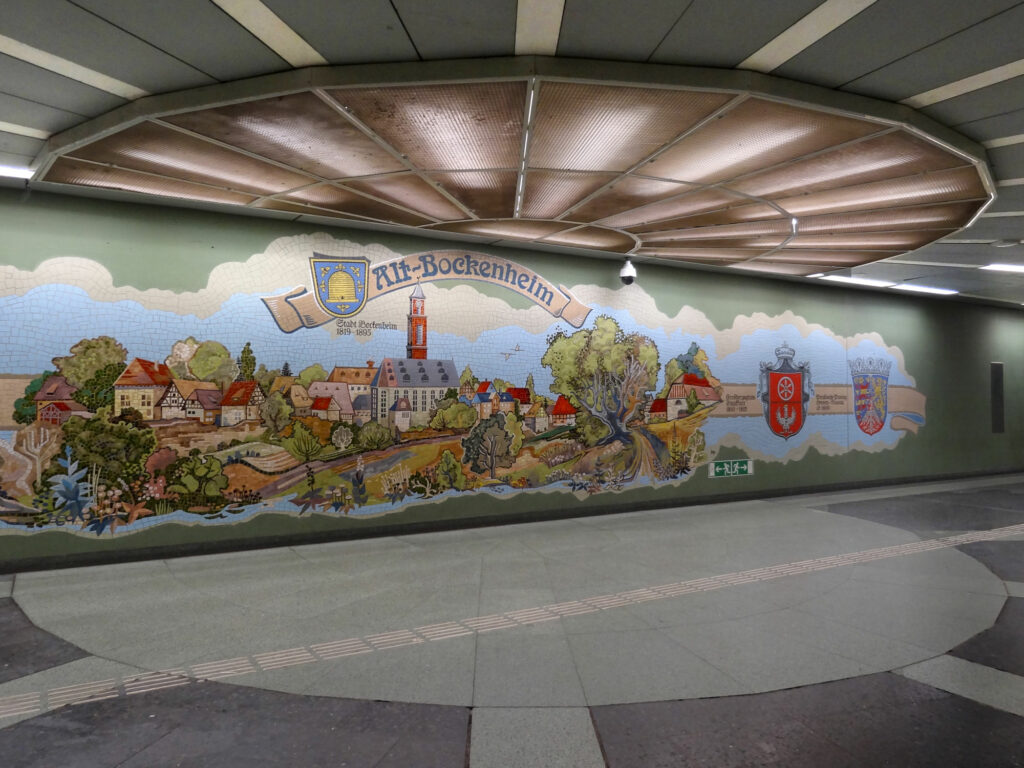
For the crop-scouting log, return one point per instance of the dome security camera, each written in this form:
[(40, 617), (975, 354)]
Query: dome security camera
[(628, 273)]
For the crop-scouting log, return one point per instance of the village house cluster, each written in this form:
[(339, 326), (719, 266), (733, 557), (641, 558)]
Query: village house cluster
[(400, 393)]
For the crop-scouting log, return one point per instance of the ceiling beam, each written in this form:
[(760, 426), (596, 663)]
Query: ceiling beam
[(803, 34), (966, 85), (538, 26), (268, 28), (23, 130), (69, 69)]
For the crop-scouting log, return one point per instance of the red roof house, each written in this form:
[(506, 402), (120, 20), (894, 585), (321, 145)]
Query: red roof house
[(241, 402), (141, 386), (562, 413)]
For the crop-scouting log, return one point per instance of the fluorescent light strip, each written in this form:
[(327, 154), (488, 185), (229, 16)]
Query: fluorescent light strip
[(803, 34), (1004, 267), (1010, 182), (272, 32), (538, 26), (23, 130), (924, 289), (966, 85), (14, 172), (859, 281), (69, 69), (1001, 214), (1006, 141)]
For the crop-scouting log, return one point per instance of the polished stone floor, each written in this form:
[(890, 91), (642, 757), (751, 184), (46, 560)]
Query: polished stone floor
[(882, 627)]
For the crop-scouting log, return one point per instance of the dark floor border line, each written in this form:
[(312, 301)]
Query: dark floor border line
[(378, 530)]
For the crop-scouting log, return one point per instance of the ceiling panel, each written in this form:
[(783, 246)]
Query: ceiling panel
[(669, 212), (884, 157), (299, 130), (509, 228), (460, 28), (62, 28), (1008, 199), (941, 186), (613, 29), (23, 146), (1009, 123), (592, 127), (629, 192), (488, 194), (777, 268), (68, 171), (780, 228), (943, 216), (593, 237), (722, 33), (734, 215), (755, 134), (42, 86), (825, 259), (347, 201), (212, 42), (546, 194), (866, 241), (155, 149), (996, 228), (445, 127), (896, 28), (32, 114), (409, 191), (1007, 162), (956, 253), (979, 104), (986, 45), (15, 159), (327, 25)]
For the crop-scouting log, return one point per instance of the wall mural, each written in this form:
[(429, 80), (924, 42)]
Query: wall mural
[(326, 378)]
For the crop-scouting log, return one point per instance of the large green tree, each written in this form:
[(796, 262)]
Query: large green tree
[(488, 445), (454, 416), (604, 371), (303, 444), (374, 436), (449, 472), (213, 362), (276, 412), (310, 374), (88, 357), (98, 391), (117, 449)]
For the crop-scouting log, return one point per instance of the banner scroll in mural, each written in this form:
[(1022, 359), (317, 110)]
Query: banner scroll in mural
[(301, 308)]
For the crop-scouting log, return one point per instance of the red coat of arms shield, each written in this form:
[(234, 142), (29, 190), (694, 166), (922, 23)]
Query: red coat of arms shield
[(785, 391)]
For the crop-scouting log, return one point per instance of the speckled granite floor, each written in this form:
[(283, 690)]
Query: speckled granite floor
[(872, 628)]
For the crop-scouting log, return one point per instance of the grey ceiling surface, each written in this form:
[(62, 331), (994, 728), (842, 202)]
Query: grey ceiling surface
[(890, 49)]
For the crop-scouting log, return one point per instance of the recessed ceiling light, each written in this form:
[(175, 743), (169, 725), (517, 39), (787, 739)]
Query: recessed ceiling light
[(1005, 267), (1004, 243), (924, 289), (15, 172), (859, 281)]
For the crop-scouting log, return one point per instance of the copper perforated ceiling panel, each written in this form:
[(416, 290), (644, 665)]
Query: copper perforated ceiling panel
[(298, 130), (155, 149), (445, 127), (597, 127), (668, 172)]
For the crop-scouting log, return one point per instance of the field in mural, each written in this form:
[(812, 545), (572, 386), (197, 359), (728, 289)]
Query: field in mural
[(325, 378)]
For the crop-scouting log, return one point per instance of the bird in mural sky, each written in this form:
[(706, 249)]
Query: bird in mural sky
[(509, 354)]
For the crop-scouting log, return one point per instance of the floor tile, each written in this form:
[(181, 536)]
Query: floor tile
[(26, 649), (1001, 690), (1001, 646), (533, 738)]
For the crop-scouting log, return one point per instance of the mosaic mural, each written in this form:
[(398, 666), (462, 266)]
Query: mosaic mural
[(322, 377)]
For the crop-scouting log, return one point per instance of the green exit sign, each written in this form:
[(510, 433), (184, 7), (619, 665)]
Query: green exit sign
[(731, 468)]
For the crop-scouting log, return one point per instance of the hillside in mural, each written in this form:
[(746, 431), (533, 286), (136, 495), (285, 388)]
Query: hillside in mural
[(127, 427)]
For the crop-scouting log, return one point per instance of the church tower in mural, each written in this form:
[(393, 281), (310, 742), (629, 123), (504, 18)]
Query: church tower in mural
[(416, 347)]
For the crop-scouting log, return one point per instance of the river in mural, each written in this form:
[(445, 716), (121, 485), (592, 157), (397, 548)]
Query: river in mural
[(325, 378)]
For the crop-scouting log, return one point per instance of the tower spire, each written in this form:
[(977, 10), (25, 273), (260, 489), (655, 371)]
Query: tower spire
[(416, 346)]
